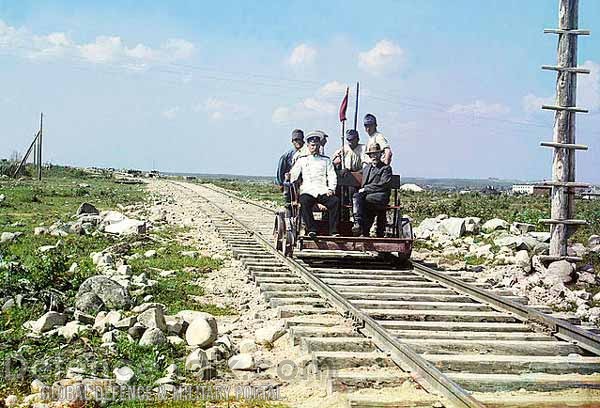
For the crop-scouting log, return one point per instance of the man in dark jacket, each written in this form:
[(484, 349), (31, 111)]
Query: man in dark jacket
[(287, 160), (374, 194)]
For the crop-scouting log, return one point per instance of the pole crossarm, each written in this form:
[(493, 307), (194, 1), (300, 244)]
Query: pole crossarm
[(576, 70), (570, 184), (563, 31), (565, 108), (564, 145), (563, 222)]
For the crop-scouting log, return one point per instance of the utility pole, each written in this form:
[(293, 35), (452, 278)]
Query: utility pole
[(562, 222), (39, 149)]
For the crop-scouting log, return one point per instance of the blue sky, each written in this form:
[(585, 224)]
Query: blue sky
[(217, 87)]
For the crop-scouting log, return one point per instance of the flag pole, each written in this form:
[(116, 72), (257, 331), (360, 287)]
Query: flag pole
[(356, 107)]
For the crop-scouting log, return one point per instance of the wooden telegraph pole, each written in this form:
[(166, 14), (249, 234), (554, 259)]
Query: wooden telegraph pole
[(562, 222), (39, 149)]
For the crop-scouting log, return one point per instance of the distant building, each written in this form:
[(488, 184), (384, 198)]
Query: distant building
[(530, 189), (592, 193)]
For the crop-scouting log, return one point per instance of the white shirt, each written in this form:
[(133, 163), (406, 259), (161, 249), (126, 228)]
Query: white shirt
[(318, 175), (379, 139), (303, 151), (353, 158)]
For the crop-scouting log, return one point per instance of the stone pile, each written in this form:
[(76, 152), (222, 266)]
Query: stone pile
[(507, 255)]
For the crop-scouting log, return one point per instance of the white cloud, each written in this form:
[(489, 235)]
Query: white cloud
[(384, 58), (588, 87), (104, 49), (480, 108), (171, 113), (219, 109), (333, 88), (533, 103), (302, 55), (319, 105)]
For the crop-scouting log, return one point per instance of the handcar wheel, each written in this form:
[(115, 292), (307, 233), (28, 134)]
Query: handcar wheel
[(288, 244), (279, 231)]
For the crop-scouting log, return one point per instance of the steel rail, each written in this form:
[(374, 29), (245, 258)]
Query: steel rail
[(398, 351), (560, 328)]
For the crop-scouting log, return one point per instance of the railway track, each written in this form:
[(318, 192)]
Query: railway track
[(461, 340)]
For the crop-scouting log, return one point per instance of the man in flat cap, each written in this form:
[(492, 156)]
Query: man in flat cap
[(374, 194), (353, 153), (286, 160), (319, 181), (370, 122)]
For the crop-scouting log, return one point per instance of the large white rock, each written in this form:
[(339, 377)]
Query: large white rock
[(153, 337), (453, 226), (202, 331), (11, 401), (472, 225), (196, 360), (269, 334), (495, 224), (71, 330), (562, 270), (242, 361), (522, 260), (508, 240), (126, 226), (152, 318), (7, 237), (49, 321), (123, 375), (540, 236)]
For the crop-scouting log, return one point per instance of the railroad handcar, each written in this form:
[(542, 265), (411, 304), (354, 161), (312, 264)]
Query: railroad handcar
[(397, 242)]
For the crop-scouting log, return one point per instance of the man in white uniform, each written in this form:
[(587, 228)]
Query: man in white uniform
[(375, 137), (319, 181)]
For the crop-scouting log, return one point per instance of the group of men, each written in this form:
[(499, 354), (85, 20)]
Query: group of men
[(307, 165)]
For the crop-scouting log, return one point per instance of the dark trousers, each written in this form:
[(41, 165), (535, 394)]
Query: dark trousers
[(365, 210), (307, 203)]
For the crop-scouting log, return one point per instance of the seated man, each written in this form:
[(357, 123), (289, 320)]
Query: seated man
[(319, 181), (374, 194)]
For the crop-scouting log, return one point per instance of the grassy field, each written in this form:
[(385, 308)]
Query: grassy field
[(44, 279)]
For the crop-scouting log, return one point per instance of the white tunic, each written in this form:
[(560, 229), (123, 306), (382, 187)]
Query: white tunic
[(318, 175)]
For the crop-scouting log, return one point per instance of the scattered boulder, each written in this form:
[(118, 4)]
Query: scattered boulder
[(153, 337), (472, 225), (11, 401), (453, 226), (104, 321), (124, 270), (89, 303), (126, 226), (495, 224), (175, 340), (521, 227), (123, 375), (87, 208), (508, 240), (126, 323), (561, 270), (577, 249), (522, 260), (175, 324), (242, 361), (41, 231), (202, 331), (150, 253), (71, 330), (49, 321), (247, 346), (113, 295), (196, 360), (8, 237), (541, 236), (153, 318), (136, 331), (593, 240), (586, 277)]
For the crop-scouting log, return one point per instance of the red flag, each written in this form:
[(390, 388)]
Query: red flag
[(344, 106)]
